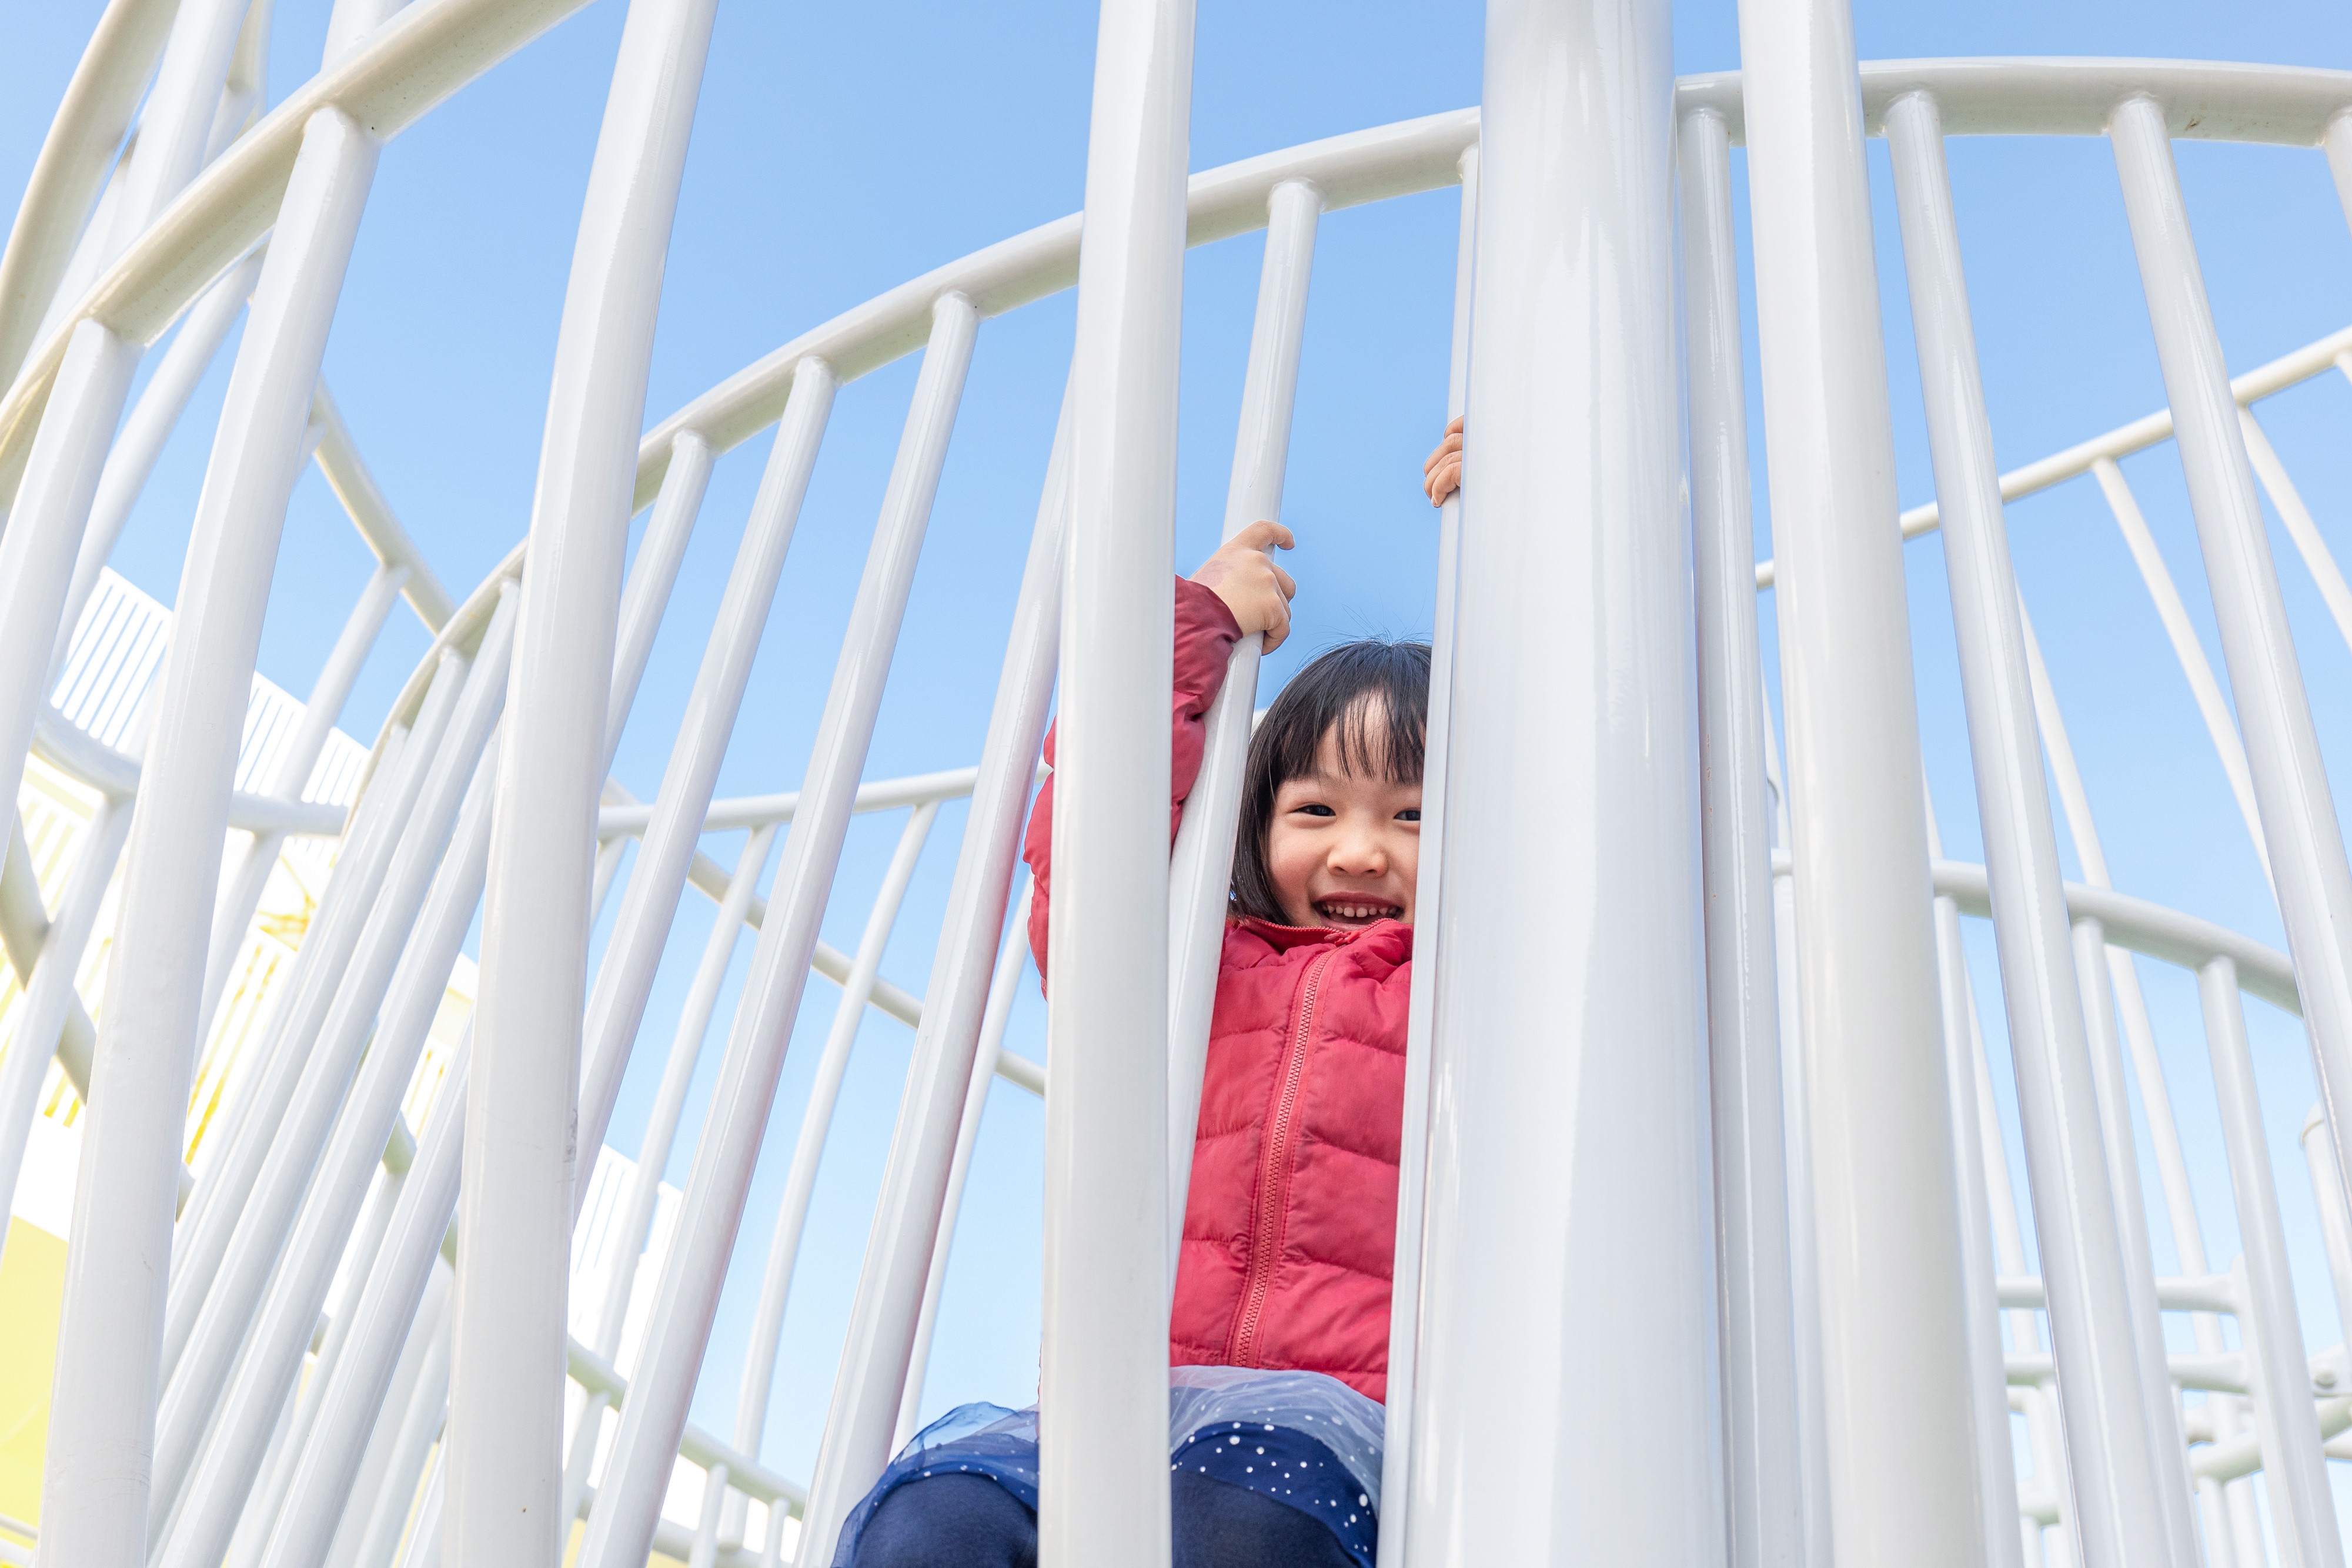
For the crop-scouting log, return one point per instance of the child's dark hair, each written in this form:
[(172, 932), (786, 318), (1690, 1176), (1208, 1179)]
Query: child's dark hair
[(1336, 693)]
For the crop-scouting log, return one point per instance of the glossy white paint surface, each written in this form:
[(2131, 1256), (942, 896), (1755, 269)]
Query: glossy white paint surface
[(1102, 1467), (505, 1436), (1201, 863), (1763, 1479), (2126, 1513), (1555, 1152), (2305, 839), (1897, 1405), (621, 1530)]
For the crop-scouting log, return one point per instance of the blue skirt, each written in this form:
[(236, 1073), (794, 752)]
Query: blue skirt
[(1300, 1438)]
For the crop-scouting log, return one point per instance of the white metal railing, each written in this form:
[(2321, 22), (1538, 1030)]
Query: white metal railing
[(1868, 1382)]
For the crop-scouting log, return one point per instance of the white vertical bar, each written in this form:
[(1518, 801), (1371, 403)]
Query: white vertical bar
[(1011, 960), (76, 159), (1996, 1460), (808, 1151), (2335, 1215), (505, 1440), (108, 1356), (1896, 1417), (883, 1324), (318, 969), (384, 1313), (50, 996), (378, 1518), (328, 1057), (1420, 1004), (2300, 526), (1764, 1485), (2092, 957), (1572, 515), (2127, 1514), (633, 953), (1103, 1464), (1201, 864), (2302, 1508), (705, 1550), (2210, 705), (670, 1099), (233, 915), (151, 424), (621, 1526), (2306, 841), (653, 573), (50, 507), (312, 1233), (1804, 1268)]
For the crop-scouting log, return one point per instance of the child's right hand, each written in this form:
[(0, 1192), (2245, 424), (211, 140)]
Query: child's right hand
[(1255, 590), (1442, 474)]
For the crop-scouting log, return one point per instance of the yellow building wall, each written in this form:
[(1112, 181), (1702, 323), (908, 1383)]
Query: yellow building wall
[(32, 1286)]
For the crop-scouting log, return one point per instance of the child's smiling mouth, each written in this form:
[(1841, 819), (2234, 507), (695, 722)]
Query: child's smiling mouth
[(1354, 910)]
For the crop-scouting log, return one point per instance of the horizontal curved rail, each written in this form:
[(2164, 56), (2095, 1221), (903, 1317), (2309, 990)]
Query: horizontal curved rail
[(2154, 930), (60, 743), (2205, 100), (410, 65)]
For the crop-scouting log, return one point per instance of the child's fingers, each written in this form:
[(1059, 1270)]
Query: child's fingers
[(1282, 580), (1262, 536)]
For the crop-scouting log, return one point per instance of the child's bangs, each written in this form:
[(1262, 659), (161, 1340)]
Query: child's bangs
[(1371, 698)]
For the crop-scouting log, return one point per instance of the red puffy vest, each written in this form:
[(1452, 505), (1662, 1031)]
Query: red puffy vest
[(1290, 1224)]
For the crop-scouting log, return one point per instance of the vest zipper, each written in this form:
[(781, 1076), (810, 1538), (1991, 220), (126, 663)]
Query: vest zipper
[(1274, 1172)]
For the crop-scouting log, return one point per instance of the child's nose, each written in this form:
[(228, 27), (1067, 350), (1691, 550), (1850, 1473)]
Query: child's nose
[(1359, 855)]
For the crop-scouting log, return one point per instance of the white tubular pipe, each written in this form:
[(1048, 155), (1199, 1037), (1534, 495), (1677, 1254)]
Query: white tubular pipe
[(2126, 1511), (653, 1154), (173, 869), (1765, 1489), (194, 1396), (1804, 1267), (2303, 1509), (655, 572), (50, 999), (2335, 1215), (808, 1151), (328, 950), (257, 856), (1571, 515), (49, 509), (1896, 1417), (273, 1351), (76, 160), (151, 424), (1102, 1380), (1412, 1142), (2300, 528), (383, 1313), (420, 1424), (1201, 864), (505, 1439), (678, 1079), (2298, 817), (318, 969), (1996, 1457), (1011, 959), (885, 1323), (621, 1527), (2094, 975), (2210, 704), (640, 930)]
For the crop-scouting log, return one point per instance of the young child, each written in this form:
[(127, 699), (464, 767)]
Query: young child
[(1278, 1341)]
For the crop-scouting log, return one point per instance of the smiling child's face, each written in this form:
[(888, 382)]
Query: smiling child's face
[(1343, 847)]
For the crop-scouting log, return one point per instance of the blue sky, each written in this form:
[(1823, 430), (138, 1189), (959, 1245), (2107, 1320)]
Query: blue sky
[(839, 150)]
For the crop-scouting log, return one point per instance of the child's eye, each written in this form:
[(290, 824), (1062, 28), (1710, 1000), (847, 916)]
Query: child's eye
[(1410, 814), (1316, 808)]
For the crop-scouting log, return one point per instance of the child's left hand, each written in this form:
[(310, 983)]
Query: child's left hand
[(1255, 590), (1442, 474)]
